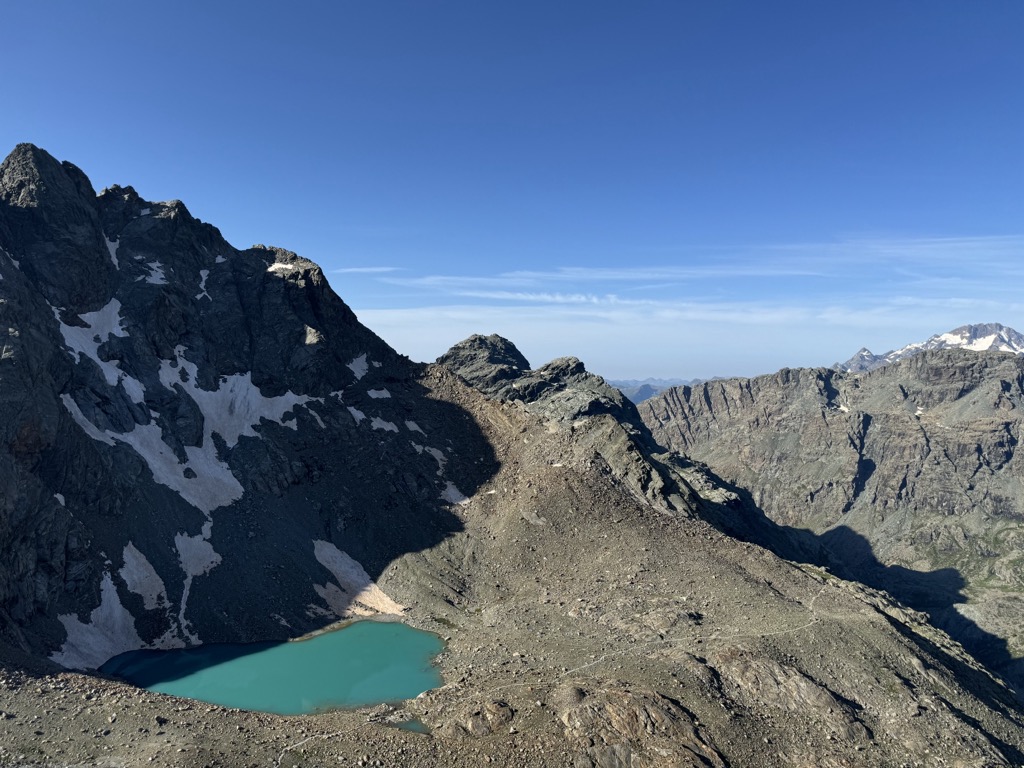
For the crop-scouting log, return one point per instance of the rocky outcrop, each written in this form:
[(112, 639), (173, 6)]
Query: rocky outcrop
[(563, 390), (488, 363), (602, 420), (909, 476), (616, 726)]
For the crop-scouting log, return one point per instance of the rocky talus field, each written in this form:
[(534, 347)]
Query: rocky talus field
[(203, 444)]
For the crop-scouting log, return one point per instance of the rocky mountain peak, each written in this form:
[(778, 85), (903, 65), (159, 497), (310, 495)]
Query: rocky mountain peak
[(31, 176), (49, 226), (562, 389), (488, 363)]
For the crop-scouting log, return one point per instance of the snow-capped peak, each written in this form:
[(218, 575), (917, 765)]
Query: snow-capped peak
[(980, 337)]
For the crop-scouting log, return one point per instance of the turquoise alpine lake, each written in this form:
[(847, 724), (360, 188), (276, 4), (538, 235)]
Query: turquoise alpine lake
[(367, 662)]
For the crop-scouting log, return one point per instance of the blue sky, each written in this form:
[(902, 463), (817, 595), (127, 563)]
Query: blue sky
[(659, 188)]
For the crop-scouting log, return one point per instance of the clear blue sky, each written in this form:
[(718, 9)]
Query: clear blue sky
[(675, 188)]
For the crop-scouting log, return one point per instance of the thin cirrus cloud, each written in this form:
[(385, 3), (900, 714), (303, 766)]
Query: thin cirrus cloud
[(725, 312), (811, 270), (365, 270), (587, 275), (555, 298)]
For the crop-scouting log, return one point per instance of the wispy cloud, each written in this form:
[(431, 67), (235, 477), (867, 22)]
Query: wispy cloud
[(652, 276), (366, 270), (851, 265), (553, 298), (724, 312)]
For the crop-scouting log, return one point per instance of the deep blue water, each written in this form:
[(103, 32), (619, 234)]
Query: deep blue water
[(365, 663)]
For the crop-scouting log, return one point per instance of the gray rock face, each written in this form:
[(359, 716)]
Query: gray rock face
[(603, 420), (489, 363), (615, 727), (909, 475)]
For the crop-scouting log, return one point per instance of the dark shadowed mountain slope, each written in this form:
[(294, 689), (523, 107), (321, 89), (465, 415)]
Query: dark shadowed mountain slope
[(163, 396)]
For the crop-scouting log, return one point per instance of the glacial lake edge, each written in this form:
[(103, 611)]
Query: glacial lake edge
[(361, 664)]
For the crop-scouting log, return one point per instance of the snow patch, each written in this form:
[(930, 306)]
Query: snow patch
[(338, 600), (213, 486), (60, 499), (144, 212), (412, 426), (195, 553), (219, 260), (359, 366), (99, 327), (439, 457), (203, 274), (282, 268), (379, 423), (197, 557), (87, 426), (109, 631), (356, 414), (379, 394), (156, 273), (982, 344), (453, 495), (353, 580), (141, 578), (313, 336), (235, 407), (112, 248)]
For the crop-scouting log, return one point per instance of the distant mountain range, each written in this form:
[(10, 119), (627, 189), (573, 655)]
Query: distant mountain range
[(638, 390), (981, 337)]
